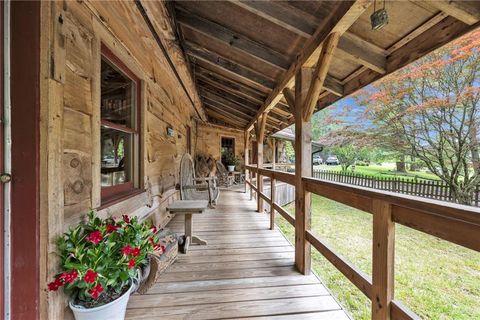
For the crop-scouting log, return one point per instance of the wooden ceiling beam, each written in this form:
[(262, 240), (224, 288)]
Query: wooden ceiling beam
[(363, 52), (252, 107), (225, 113), (234, 40), (358, 50), (228, 89), (438, 35), (338, 21), (227, 109), (231, 67), (226, 102), (277, 15), (224, 81), (224, 119), (466, 11)]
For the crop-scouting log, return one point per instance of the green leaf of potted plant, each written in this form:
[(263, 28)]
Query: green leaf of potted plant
[(100, 261), (232, 161)]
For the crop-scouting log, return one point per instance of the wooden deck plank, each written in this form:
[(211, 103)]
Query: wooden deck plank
[(213, 285), (190, 267), (229, 295), (245, 271), (237, 309)]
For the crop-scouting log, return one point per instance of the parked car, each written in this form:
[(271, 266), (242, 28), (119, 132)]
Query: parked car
[(317, 159), (332, 161)]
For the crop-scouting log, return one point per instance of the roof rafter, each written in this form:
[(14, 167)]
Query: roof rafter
[(231, 67), (339, 21)]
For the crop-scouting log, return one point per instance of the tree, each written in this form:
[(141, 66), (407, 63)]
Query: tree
[(431, 110)]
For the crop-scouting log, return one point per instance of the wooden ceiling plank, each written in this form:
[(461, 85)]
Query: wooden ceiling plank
[(466, 11), (438, 35), (276, 15), (235, 112), (214, 76), (234, 40), (220, 86), (228, 99), (227, 65), (226, 112), (339, 20), (418, 31), (228, 102), (223, 118)]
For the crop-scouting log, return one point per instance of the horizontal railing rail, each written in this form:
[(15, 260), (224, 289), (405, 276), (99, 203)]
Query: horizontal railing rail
[(452, 222)]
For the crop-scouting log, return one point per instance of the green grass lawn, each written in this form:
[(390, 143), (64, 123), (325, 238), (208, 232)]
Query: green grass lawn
[(434, 278), (385, 171)]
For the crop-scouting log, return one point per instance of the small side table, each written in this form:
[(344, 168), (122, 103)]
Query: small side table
[(189, 207)]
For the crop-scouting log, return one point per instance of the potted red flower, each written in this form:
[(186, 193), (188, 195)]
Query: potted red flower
[(100, 261)]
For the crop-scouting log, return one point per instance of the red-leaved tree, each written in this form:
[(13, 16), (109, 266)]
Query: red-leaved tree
[(431, 110)]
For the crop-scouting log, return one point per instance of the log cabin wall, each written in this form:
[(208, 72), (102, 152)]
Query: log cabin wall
[(210, 136), (72, 35)]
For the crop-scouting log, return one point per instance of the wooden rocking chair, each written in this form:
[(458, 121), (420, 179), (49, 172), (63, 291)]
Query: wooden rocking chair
[(192, 188), (224, 178)]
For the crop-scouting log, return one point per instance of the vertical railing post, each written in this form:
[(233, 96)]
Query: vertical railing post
[(303, 167), (273, 191), (260, 132), (246, 157), (383, 260)]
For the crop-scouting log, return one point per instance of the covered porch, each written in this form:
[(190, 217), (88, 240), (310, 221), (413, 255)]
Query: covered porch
[(120, 91), (246, 270)]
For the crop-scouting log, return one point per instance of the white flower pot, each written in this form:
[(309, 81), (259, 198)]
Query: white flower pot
[(114, 310), (231, 168)]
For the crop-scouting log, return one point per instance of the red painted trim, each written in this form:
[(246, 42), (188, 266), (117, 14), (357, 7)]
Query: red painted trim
[(25, 217), (2, 240), (115, 194)]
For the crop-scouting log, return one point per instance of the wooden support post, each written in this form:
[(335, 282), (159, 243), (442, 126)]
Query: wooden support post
[(246, 157), (273, 187), (274, 153), (260, 136), (383, 260), (303, 168)]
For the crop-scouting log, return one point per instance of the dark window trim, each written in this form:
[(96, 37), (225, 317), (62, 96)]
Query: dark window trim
[(115, 194)]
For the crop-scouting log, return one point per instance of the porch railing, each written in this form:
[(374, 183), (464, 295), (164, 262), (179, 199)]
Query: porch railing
[(452, 222)]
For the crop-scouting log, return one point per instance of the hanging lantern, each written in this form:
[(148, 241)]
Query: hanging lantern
[(379, 18)]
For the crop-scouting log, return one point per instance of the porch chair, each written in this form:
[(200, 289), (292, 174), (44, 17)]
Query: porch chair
[(224, 178), (192, 188)]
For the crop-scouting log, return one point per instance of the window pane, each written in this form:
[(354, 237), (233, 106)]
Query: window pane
[(118, 93), (117, 151)]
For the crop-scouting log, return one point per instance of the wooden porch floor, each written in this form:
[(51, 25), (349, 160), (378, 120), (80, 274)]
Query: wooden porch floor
[(245, 271)]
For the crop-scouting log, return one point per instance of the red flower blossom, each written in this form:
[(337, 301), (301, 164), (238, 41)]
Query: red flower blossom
[(95, 237), (111, 228), (126, 218), (151, 241), (126, 250), (90, 276), (154, 229), (135, 252), (159, 247), (68, 277), (53, 286), (95, 291), (131, 263)]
